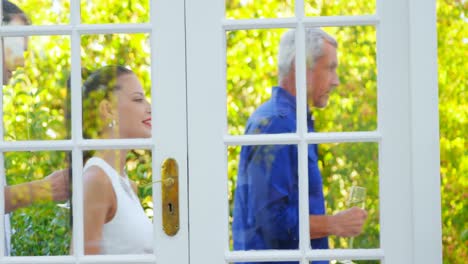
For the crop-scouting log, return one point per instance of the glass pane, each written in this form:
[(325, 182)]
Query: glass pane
[(249, 9), (343, 168), (341, 83), (263, 197), (36, 198), (116, 86), (118, 208), (344, 98), (35, 95), (355, 262), (36, 12), (339, 7), (251, 75), (114, 11)]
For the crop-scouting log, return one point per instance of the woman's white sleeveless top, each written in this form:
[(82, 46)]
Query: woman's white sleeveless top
[(130, 231)]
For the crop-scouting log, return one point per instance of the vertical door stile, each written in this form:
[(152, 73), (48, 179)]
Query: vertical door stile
[(205, 124), (169, 118)]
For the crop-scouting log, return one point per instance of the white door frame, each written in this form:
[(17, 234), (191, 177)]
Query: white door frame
[(188, 77), (407, 133)]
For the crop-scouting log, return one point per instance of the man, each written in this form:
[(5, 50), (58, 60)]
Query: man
[(13, 47), (54, 187), (266, 200)]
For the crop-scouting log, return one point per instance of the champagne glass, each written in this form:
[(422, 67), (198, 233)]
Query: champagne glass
[(357, 197)]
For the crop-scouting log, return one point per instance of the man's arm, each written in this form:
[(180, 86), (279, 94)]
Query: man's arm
[(52, 188), (347, 223)]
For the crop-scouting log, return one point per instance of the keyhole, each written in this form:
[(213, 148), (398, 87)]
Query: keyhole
[(169, 207)]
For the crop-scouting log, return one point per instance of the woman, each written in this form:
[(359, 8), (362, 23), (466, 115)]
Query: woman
[(114, 106)]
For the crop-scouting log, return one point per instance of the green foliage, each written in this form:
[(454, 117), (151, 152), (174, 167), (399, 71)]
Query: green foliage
[(40, 230), (452, 33)]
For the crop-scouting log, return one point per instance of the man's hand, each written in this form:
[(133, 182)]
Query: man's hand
[(59, 182), (348, 223)]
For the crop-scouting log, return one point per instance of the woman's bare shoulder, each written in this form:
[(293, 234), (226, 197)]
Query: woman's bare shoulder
[(94, 178)]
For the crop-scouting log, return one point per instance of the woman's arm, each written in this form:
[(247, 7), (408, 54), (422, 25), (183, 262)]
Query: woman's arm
[(99, 207)]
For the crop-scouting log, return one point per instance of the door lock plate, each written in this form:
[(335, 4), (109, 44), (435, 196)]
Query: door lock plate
[(170, 196)]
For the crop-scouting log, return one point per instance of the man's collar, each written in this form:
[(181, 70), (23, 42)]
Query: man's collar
[(280, 94)]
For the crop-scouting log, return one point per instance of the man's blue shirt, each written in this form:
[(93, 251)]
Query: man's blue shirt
[(266, 208)]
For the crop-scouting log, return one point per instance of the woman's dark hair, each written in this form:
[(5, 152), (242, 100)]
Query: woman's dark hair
[(9, 10), (100, 85)]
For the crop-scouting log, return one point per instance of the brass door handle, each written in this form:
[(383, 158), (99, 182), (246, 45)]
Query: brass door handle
[(170, 196)]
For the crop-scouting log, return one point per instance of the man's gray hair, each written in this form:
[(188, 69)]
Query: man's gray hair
[(314, 37)]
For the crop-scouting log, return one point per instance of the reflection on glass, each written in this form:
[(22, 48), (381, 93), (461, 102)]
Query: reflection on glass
[(116, 96), (117, 202), (37, 181), (345, 165), (264, 197), (250, 9), (114, 11), (339, 8), (115, 105), (33, 102)]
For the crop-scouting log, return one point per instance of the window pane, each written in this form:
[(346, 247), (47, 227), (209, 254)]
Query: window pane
[(116, 86), (343, 166), (114, 11), (117, 187), (263, 194), (36, 12), (351, 104), (341, 82), (249, 9), (40, 220), (35, 94), (251, 65), (263, 197), (339, 7)]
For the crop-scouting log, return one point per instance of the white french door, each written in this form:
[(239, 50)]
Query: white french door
[(406, 133), (161, 36)]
